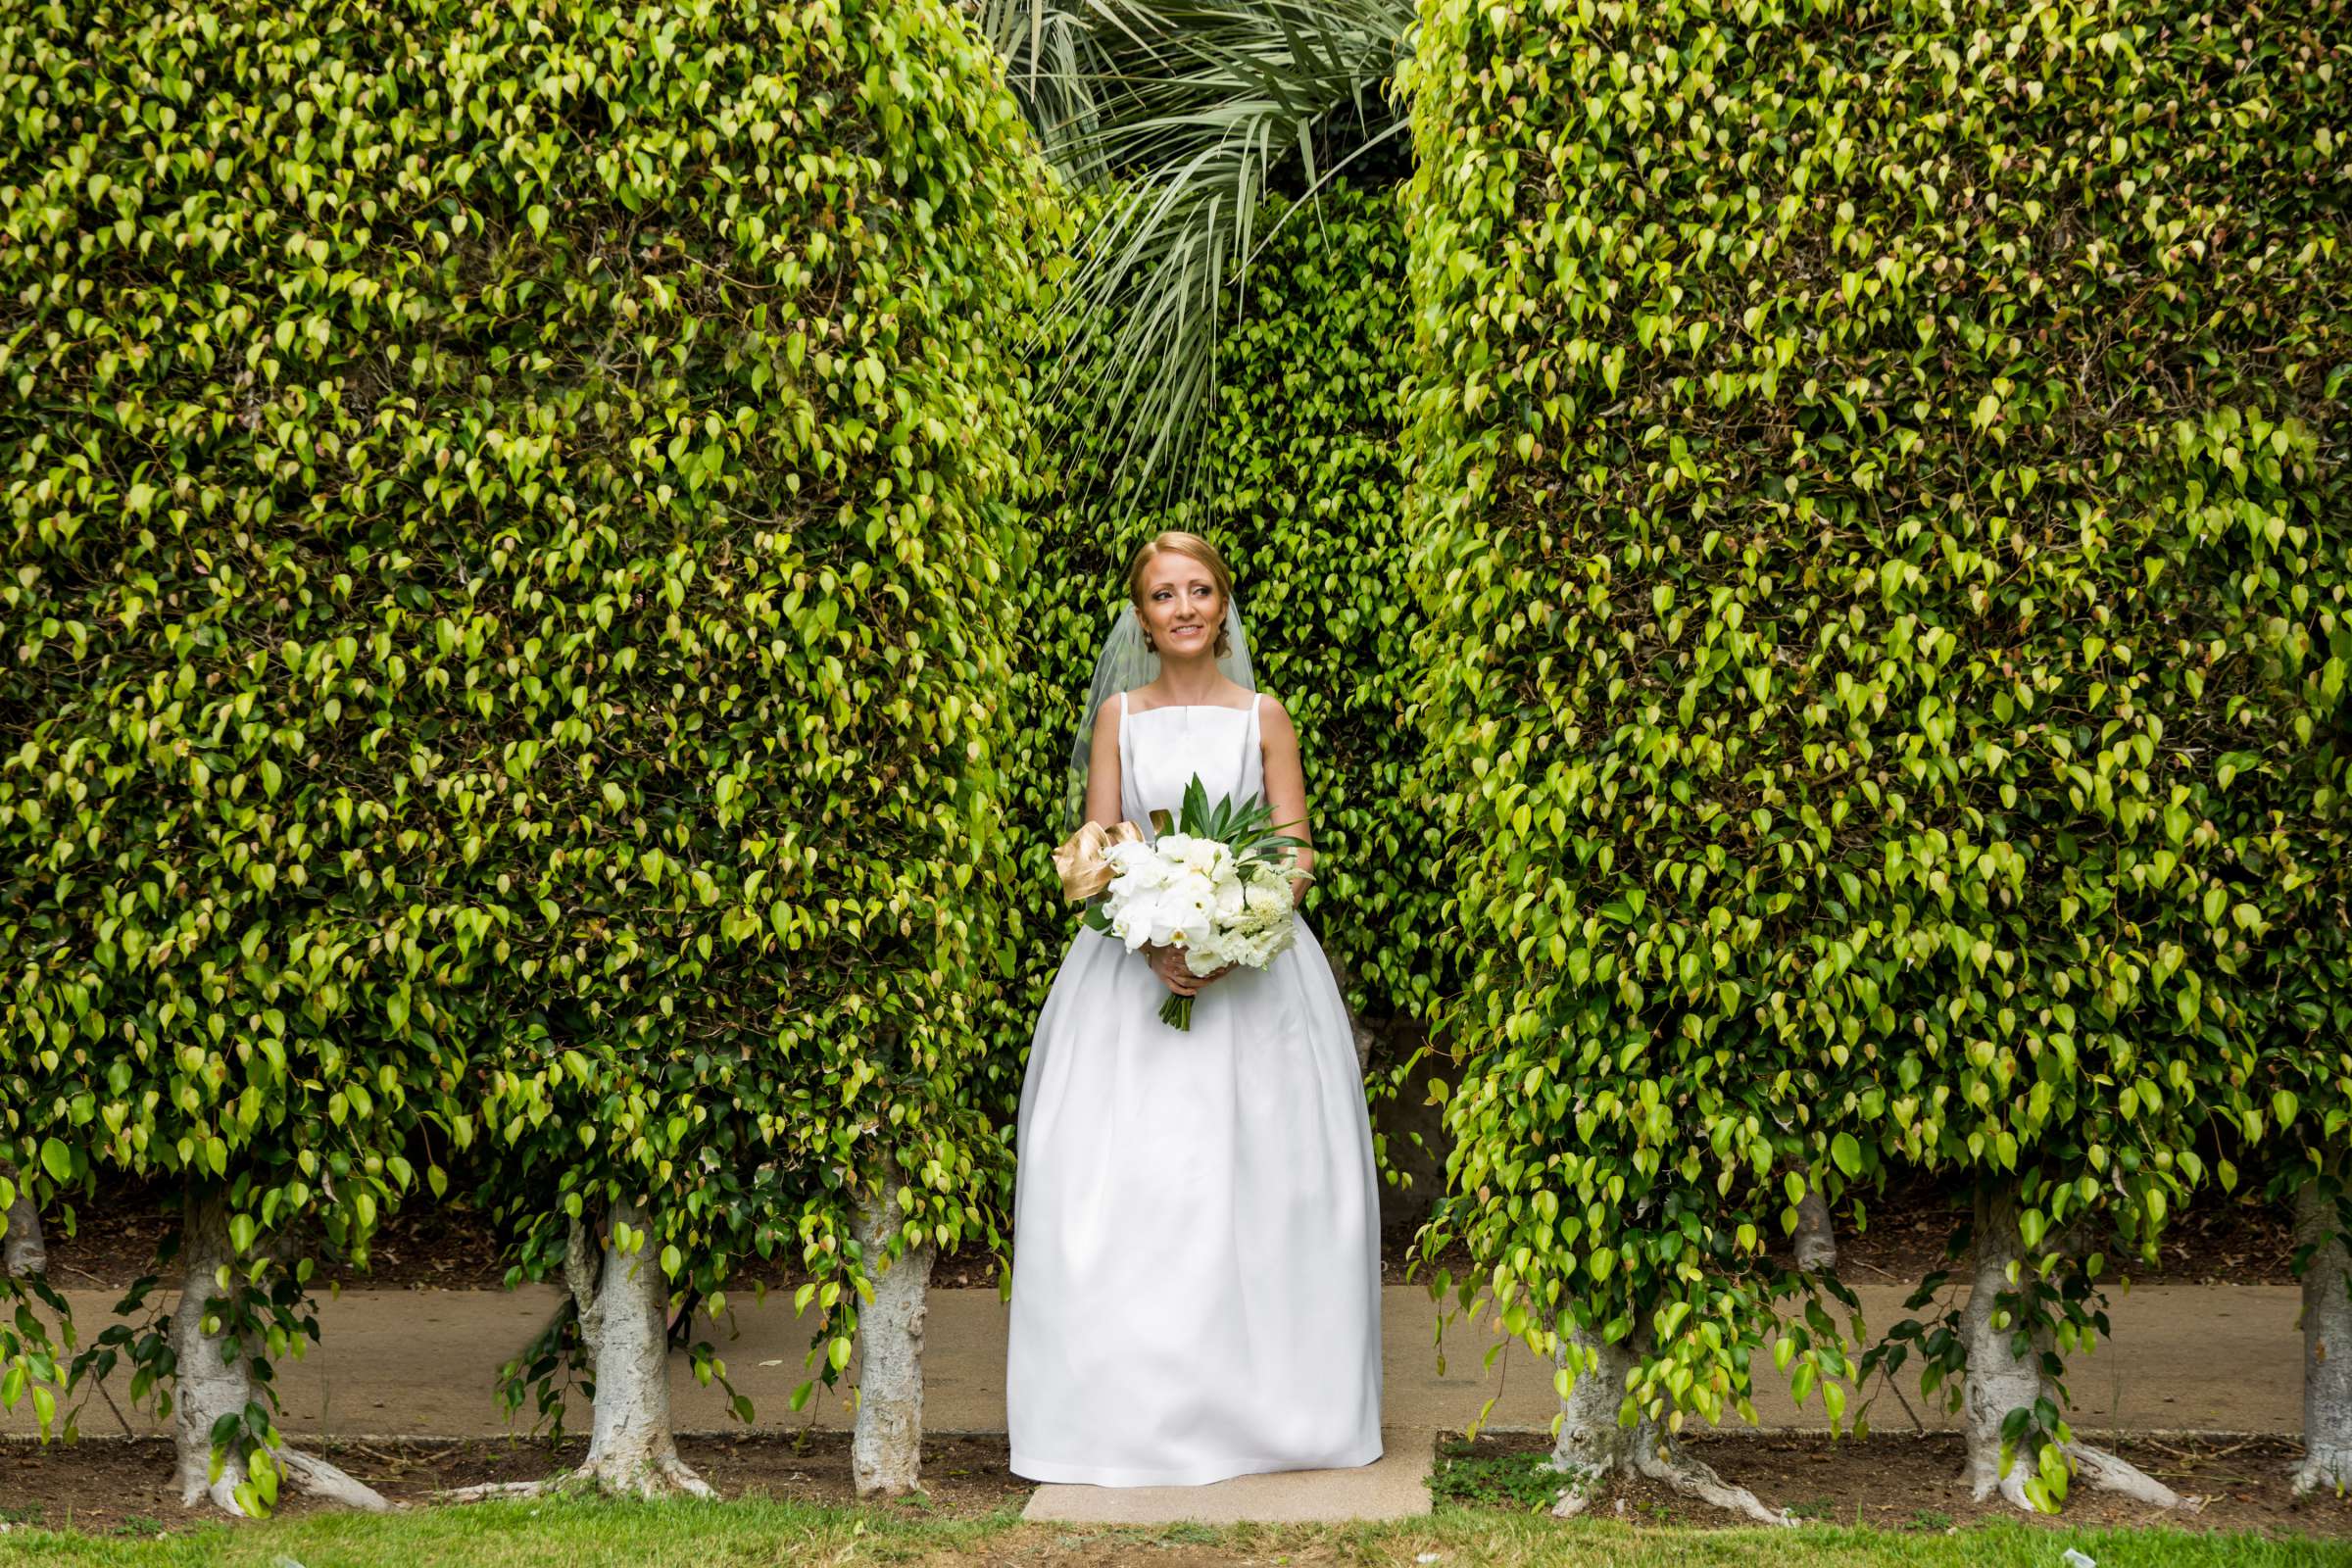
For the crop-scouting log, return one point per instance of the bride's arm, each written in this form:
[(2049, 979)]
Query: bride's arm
[(1103, 767), (1286, 784), (1103, 776)]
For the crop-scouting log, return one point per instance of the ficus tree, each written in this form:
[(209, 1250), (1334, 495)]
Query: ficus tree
[(225, 941), (513, 513), (1867, 480), (203, 988), (739, 607)]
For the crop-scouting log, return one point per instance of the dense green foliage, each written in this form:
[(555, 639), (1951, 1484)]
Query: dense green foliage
[(514, 519), (1878, 511)]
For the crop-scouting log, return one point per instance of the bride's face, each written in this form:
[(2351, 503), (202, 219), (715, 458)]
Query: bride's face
[(1182, 607)]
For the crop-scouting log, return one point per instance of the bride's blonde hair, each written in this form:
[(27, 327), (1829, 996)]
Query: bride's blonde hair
[(1198, 549)]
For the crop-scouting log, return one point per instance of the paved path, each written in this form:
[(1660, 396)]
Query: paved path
[(421, 1363), (1395, 1486)]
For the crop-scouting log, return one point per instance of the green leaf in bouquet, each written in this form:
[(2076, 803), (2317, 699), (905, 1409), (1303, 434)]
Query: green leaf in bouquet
[(1241, 826)]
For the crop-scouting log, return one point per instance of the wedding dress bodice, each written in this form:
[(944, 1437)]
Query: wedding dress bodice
[(1161, 749)]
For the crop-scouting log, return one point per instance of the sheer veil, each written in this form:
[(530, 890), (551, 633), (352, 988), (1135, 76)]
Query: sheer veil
[(1123, 664)]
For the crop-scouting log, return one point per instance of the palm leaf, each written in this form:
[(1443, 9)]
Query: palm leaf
[(1181, 114)]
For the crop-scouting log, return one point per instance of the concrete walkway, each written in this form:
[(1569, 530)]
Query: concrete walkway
[(421, 1364)]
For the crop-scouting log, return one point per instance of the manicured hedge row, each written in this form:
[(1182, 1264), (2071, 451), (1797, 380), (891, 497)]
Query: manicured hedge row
[(1879, 518), (515, 517)]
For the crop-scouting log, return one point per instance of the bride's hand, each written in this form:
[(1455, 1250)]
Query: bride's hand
[(1168, 964)]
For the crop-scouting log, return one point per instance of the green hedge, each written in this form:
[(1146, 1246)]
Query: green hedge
[(1876, 474), (515, 521)]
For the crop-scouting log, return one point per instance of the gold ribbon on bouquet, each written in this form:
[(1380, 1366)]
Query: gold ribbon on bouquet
[(1080, 860)]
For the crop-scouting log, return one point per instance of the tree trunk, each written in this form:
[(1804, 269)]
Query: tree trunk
[(1816, 1238), (2000, 1381), (886, 1454), (1365, 1037), (2327, 1346), (625, 1322), (22, 1250), (623, 1301), (213, 1378), (1593, 1448)]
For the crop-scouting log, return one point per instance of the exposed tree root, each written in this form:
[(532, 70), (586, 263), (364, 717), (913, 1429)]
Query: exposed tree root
[(1594, 1450), (624, 1322), (2324, 1470), (658, 1477), (2000, 1381), (302, 1472)]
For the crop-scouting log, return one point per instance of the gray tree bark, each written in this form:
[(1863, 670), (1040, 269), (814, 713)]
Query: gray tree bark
[(631, 1447), (886, 1451), (213, 1378), (1592, 1450), (1365, 1037), (623, 1300), (23, 1252), (2326, 1347), (2000, 1381), (1816, 1238)]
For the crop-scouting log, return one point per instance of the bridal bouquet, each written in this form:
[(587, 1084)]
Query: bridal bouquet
[(1218, 887)]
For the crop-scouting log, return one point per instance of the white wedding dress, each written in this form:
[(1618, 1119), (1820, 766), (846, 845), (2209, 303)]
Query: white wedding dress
[(1195, 1283)]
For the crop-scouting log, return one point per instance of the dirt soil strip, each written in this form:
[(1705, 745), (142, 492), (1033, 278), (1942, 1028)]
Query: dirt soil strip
[(117, 1487)]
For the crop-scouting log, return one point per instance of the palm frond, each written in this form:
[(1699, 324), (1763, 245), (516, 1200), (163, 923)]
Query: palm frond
[(1182, 113)]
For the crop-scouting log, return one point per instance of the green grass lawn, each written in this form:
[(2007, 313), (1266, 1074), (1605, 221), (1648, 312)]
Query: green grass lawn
[(591, 1535)]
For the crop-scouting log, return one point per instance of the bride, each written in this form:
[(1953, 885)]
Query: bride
[(1196, 1288)]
